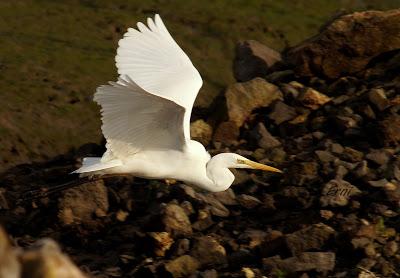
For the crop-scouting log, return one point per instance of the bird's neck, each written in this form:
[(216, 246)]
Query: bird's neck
[(219, 176)]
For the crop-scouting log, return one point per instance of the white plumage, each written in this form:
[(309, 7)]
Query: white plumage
[(146, 116)]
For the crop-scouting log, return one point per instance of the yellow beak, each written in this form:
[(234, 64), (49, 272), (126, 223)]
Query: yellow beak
[(259, 166)]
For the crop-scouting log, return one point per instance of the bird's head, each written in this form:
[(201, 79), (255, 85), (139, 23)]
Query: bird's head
[(242, 162)]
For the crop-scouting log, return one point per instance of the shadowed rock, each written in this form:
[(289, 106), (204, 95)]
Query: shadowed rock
[(253, 59), (347, 45)]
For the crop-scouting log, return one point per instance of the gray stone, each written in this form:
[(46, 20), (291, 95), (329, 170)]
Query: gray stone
[(337, 193), (282, 113), (307, 261), (311, 237), (182, 266), (226, 197), (324, 156), (248, 201), (380, 157), (264, 138), (175, 221), (208, 251)]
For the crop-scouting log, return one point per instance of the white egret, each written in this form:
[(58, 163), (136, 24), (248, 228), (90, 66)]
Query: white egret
[(146, 116)]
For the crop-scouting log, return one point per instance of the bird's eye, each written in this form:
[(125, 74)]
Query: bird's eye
[(240, 161)]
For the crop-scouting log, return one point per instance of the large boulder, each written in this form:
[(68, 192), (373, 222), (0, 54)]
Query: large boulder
[(347, 44), (241, 100)]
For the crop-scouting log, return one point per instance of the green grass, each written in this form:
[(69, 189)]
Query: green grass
[(53, 54)]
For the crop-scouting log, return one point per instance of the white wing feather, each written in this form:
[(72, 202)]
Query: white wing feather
[(135, 120), (155, 62)]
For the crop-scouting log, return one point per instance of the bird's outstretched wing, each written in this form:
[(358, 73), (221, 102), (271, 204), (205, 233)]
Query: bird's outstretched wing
[(134, 120), (155, 62)]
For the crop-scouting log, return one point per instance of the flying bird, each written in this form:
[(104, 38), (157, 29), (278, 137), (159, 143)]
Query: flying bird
[(146, 116)]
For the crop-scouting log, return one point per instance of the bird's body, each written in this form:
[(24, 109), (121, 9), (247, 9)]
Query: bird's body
[(146, 116)]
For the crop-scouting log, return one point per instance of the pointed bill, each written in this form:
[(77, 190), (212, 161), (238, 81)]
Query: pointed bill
[(259, 166)]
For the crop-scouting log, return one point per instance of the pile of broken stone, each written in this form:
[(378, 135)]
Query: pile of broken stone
[(327, 112)]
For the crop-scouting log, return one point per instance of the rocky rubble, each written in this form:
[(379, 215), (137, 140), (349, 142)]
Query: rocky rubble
[(327, 112)]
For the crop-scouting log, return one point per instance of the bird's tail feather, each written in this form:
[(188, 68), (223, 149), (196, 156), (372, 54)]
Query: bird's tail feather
[(93, 164)]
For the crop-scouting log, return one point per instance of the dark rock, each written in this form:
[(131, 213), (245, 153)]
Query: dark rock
[(340, 99), (264, 138), (380, 157), (347, 45), (379, 183), (344, 123), (80, 204), (227, 133), (311, 237), (181, 247), (337, 193), (216, 207), (175, 221), (268, 203), (313, 99), (392, 191), (340, 172), (243, 98), (226, 197), (367, 111), (208, 251), (282, 113), (252, 237), (280, 76), (161, 242), (241, 257), (277, 155), (337, 148), (361, 169), (303, 172), (273, 242), (379, 99), (209, 273), (324, 156), (296, 196), (391, 248), (187, 207), (319, 261), (253, 59), (204, 220), (292, 90), (352, 155), (248, 201), (388, 130), (182, 266)]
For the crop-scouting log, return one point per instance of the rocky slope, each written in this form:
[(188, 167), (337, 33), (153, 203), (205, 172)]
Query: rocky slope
[(327, 112)]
